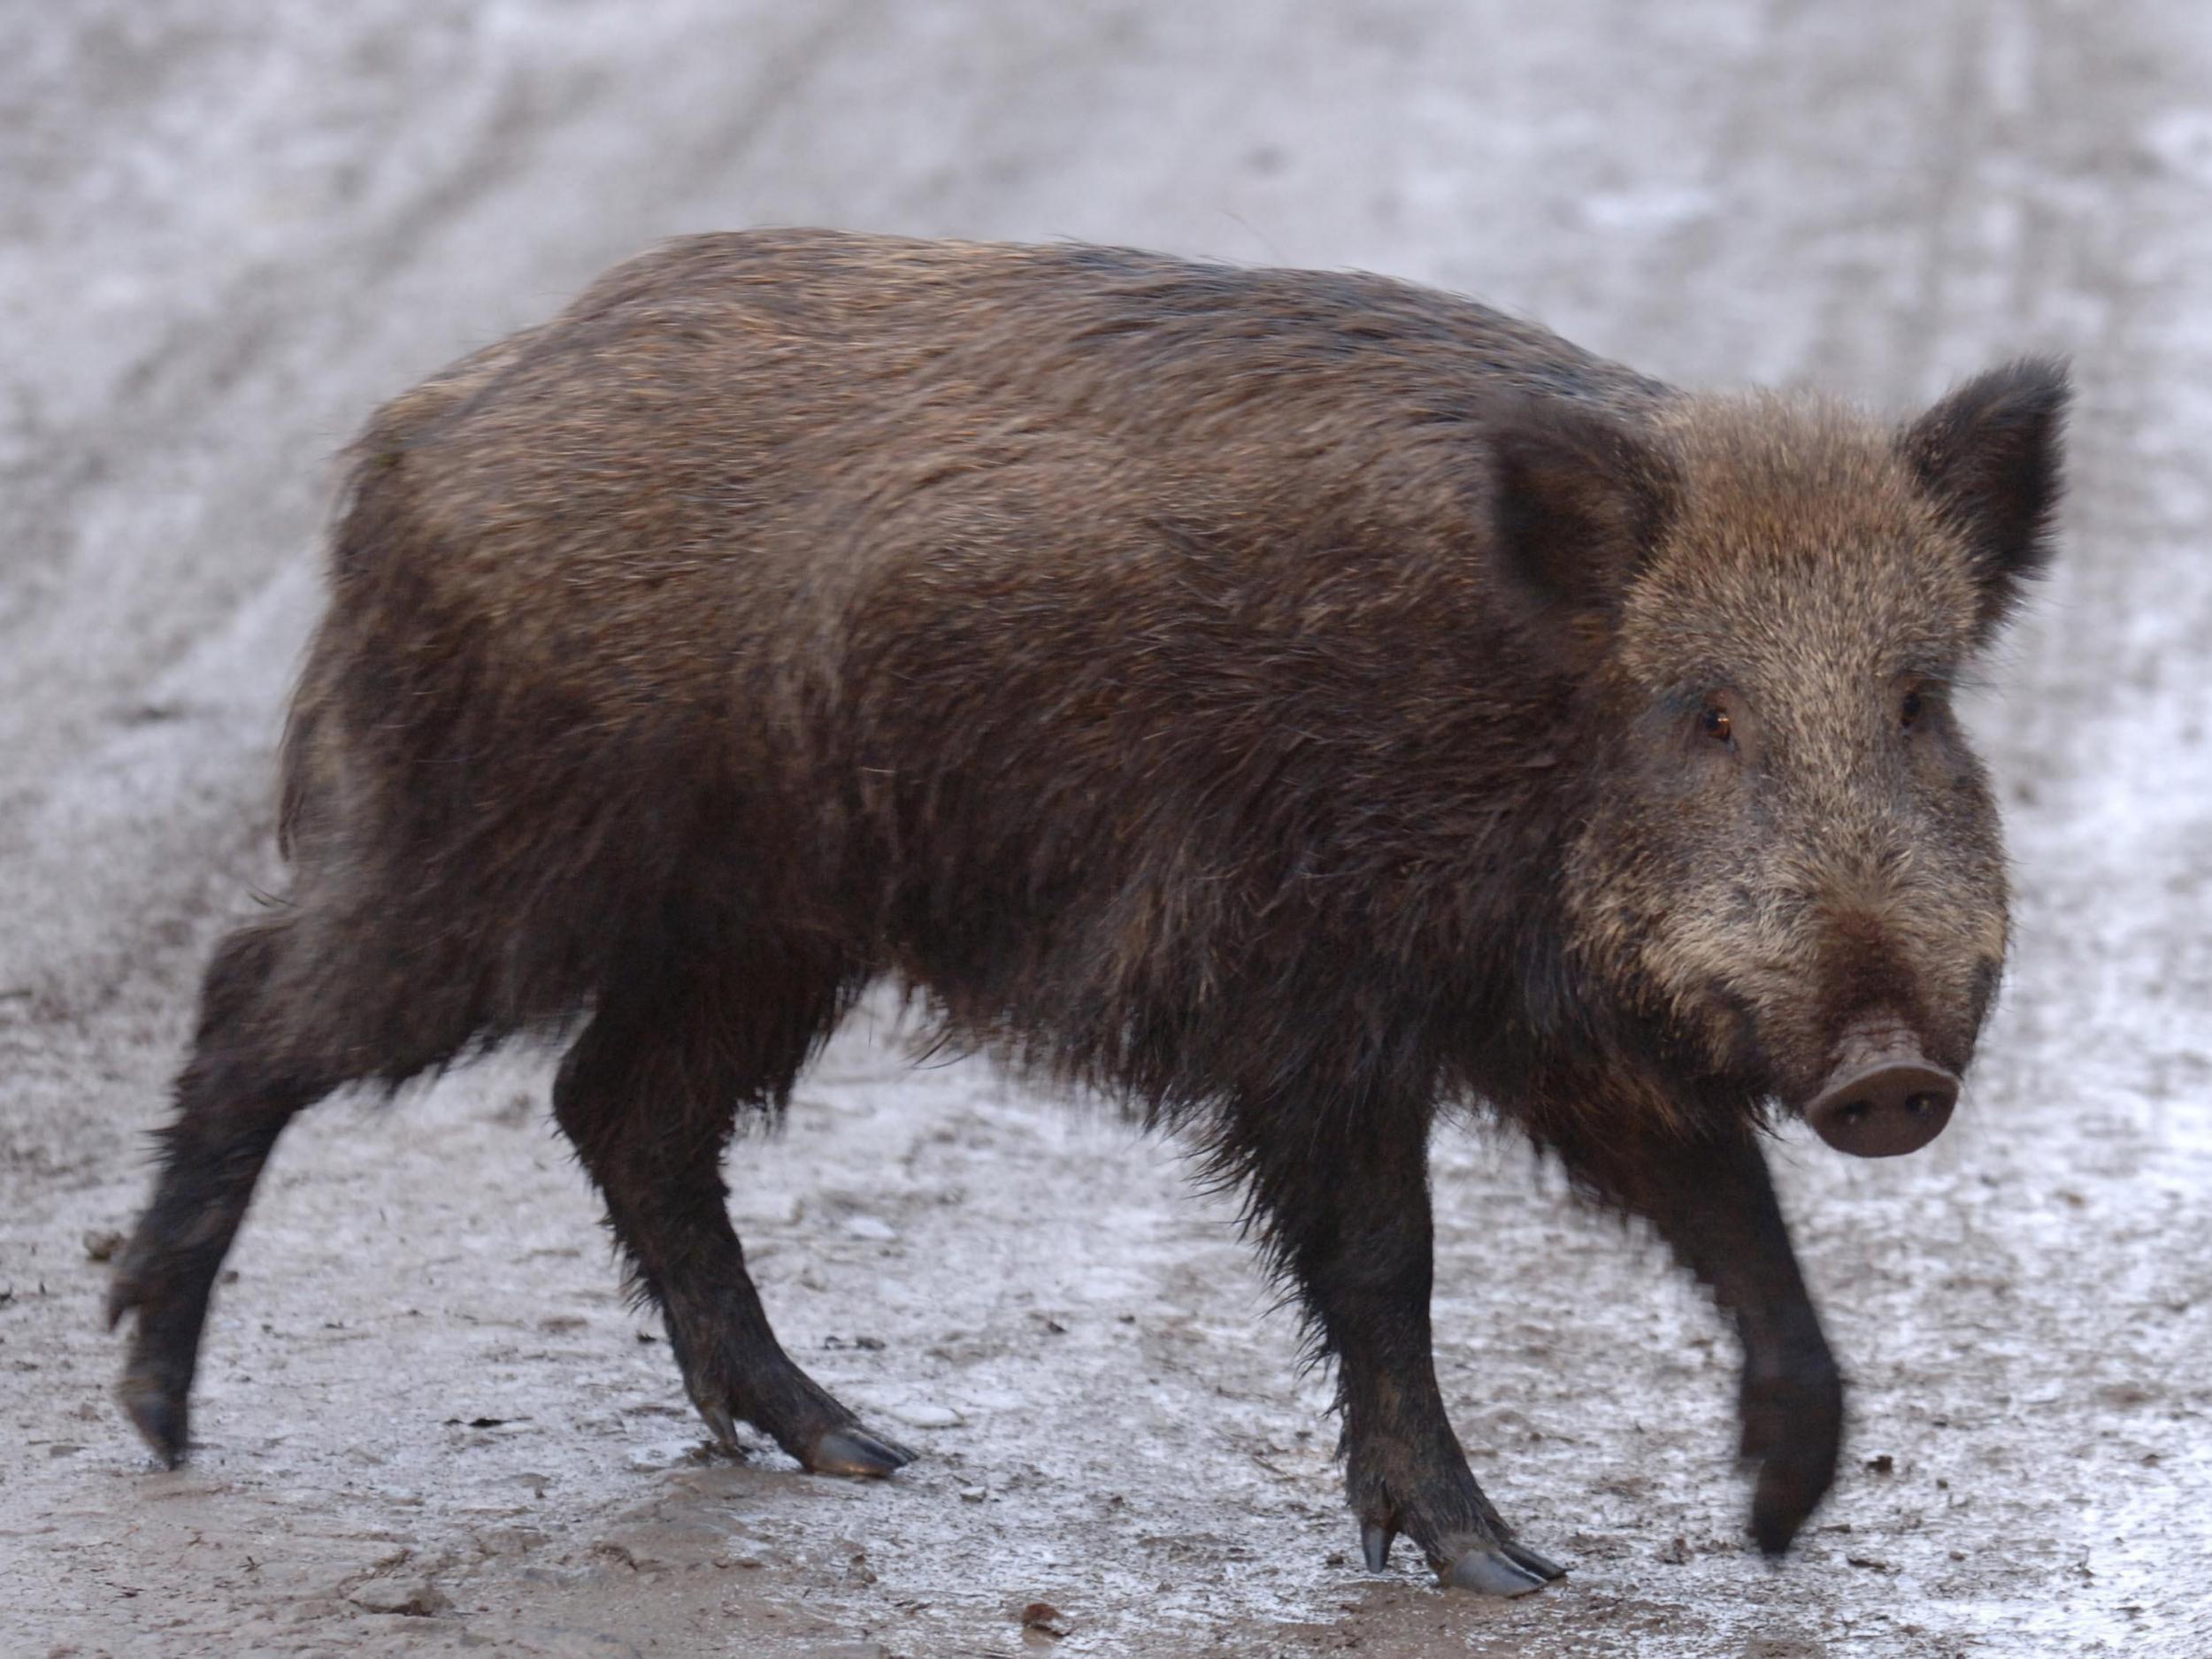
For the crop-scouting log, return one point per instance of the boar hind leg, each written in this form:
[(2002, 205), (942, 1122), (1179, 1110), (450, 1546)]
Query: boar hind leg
[(649, 1096), (1711, 1200), (1348, 1217), (236, 1093)]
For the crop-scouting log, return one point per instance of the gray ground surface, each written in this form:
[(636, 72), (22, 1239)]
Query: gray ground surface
[(227, 228)]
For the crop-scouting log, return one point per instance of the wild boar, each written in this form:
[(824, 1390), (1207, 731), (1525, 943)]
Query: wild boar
[(1296, 705)]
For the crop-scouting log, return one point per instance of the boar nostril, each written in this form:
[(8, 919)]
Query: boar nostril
[(1883, 1102)]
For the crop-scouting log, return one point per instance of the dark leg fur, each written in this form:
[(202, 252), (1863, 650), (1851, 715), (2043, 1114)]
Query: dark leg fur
[(1349, 1219), (650, 1094), (234, 1099), (1711, 1200)]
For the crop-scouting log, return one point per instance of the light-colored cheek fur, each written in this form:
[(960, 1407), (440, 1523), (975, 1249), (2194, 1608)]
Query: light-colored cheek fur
[(1760, 942)]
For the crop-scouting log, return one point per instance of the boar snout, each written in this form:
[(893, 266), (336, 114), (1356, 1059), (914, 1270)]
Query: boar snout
[(1884, 1097)]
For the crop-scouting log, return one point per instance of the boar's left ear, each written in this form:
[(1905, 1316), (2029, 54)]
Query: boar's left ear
[(1989, 453), (1578, 504)]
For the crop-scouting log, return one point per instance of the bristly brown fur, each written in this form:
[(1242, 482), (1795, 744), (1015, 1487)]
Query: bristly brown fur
[(1268, 697), (1100, 680)]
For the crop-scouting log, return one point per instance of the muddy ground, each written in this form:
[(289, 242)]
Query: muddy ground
[(430, 1423)]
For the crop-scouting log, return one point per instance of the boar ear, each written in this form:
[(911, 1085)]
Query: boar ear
[(1989, 453), (1578, 504)]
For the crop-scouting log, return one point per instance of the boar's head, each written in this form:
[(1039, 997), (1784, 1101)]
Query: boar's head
[(1790, 864)]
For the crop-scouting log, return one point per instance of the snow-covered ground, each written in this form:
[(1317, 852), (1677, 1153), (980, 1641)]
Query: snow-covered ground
[(227, 228)]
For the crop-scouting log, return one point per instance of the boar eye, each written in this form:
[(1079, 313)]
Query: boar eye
[(1716, 723), (1909, 709)]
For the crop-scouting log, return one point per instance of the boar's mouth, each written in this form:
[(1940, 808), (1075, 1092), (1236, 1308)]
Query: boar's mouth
[(1883, 1097)]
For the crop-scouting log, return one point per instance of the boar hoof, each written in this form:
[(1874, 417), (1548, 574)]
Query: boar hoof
[(1374, 1544), (1789, 1489), (852, 1450), (1493, 1573), (1793, 1432), (1543, 1566), (723, 1426), (158, 1413)]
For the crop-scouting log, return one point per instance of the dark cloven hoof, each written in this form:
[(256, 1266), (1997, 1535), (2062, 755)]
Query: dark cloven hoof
[(1493, 1573), (1543, 1566), (1374, 1544), (852, 1450), (159, 1418), (722, 1424)]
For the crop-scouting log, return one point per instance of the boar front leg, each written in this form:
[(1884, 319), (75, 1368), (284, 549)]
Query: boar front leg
[(1344, 1201), (1709, 1195)]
